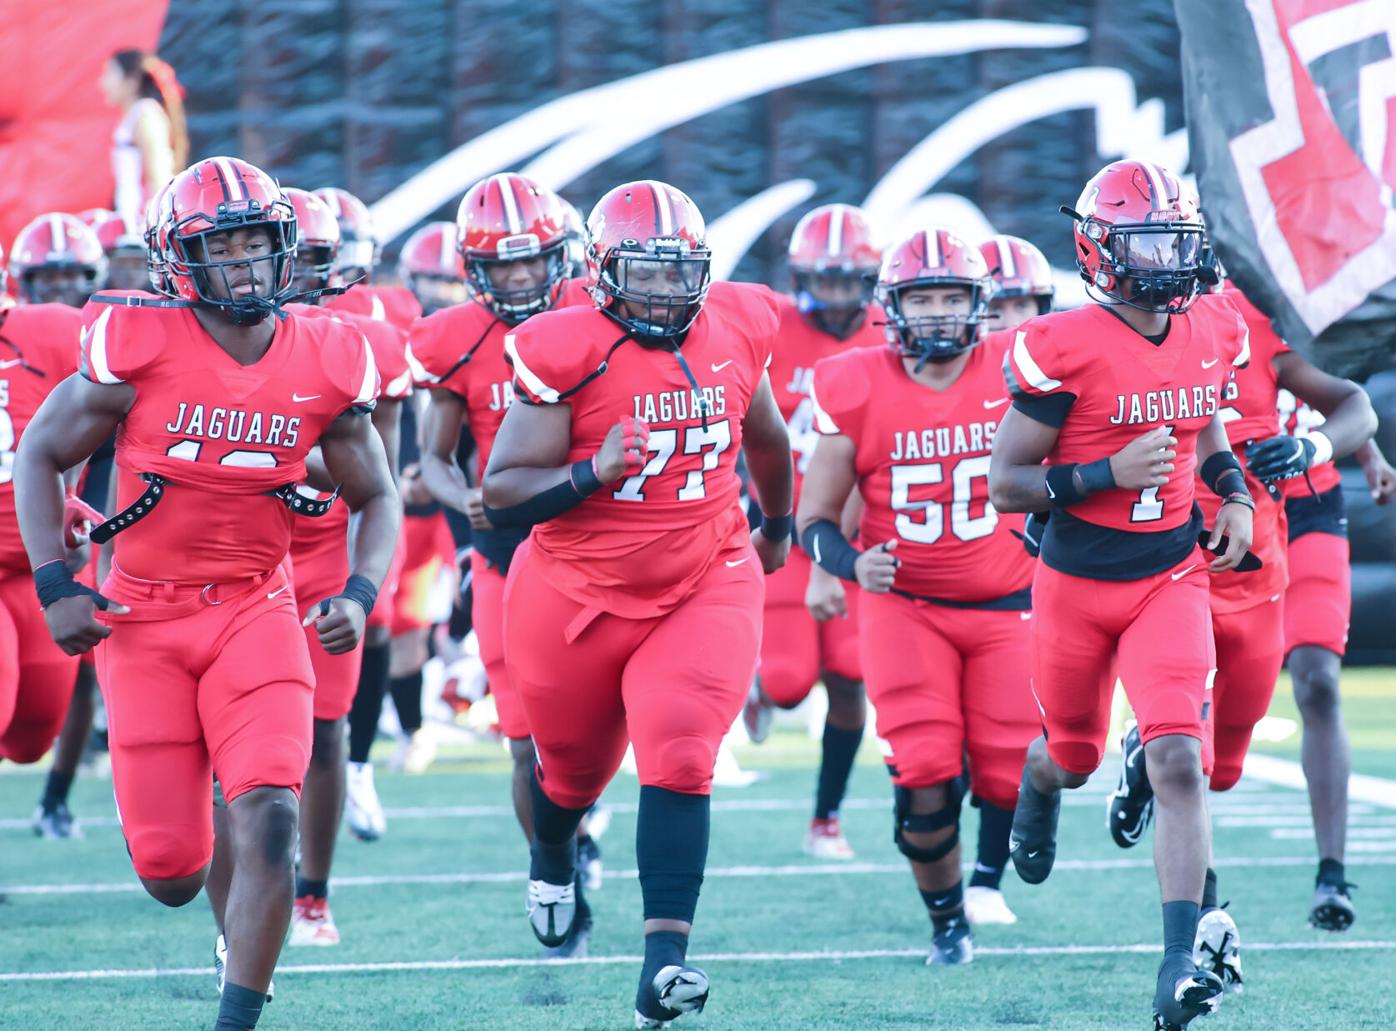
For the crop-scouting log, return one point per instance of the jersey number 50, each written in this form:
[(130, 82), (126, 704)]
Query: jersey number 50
[(928, 528)]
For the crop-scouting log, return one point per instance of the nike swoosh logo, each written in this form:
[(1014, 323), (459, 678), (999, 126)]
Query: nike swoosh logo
[(1208, 365), (738, 562), (719, 368), (1051, 494), (1033, 855), (11, 362), (995, 404), (279, 590), (940, 903), (297, 398), (1185, 572)]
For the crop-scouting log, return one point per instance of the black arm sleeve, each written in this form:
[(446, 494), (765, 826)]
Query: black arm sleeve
[(581, 483), (824, 542)]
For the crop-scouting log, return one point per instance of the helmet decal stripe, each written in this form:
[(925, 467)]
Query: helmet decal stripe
[(59, 232), (932, 237), (1007, 267), (836, 217), (505, 183), (1157, 184), (664, 212), (232, 186)]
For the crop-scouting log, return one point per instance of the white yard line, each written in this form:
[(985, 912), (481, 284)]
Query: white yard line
[(1386, 856), (1348, 945), (1289, 774)]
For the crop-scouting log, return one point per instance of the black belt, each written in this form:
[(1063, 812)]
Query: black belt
[(1018, 601), (287, 494)]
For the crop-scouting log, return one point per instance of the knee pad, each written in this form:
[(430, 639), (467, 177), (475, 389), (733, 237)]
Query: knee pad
[(926, 823), (685, 764)]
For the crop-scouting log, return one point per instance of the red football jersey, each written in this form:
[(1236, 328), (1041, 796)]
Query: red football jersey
[(1297, 419), (461, 349), (1120, 385), (388, 345), (221, 434), (923, 469), (1248, 410), (395, 304), (799, 348), (639, 546), (38, 351)]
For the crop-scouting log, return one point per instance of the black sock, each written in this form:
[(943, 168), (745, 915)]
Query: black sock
[(840, 749), (945, 907), (671, 849), (407, 699), (315, 889), (995, 824), (1209, 890), (553, 857), (662, 949), (1179, 927), (1330, 871), (56, 789), (239, 1009), (368, 701)]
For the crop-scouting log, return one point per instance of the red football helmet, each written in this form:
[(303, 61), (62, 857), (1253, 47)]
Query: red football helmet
[(56, 259), (1019, 269), (1140, 239), (923, 326), (124, 247), (833, 265), (576, 239), (359, 248), (156, 271), (317, 239), (431, 267), (505, 225), (648, 254), (201, 208)]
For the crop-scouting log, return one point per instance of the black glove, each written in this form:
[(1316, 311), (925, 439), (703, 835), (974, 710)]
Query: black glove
[(1033, 529), (1280, 458)]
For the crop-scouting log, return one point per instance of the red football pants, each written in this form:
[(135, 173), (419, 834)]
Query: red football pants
[(36, 678), (796, 647), (200, 682), (671, 684), (946, 682), (487, 615), (1157, 629), (1318, 602), (318, 575), (1250, 651)]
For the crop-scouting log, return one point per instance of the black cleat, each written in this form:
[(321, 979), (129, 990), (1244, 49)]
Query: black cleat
[(1130, 808), (1332, 908), (952, 946), (674, 991), (577, 945), (55, 822), (1033, 840), (1184, 993)]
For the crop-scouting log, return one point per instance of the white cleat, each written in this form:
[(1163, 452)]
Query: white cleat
[(551, 910), (679, 990), (415, 752), (825, 840), (985, 906), (1217, 948), (312, 923), (220, 967), (362, 810)]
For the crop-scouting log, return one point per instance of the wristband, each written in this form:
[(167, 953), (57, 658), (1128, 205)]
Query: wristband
[(583, 477), (1096, 476), (1323, 447), (777, 528), (1239, 498), (357, 588), (1062, 491), (53, 581), (826, 544), (581, 483), (1214, 473)]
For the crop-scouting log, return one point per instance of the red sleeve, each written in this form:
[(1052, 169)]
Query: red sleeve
[(115, 348), (347, 359), (839, 394), (430, 353), (390, 355), (543, 371), (1033, 365)]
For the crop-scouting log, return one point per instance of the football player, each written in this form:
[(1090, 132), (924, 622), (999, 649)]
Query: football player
[(833, 266), (1023, 287), (1247, 607), (633, 609), (124, 247), (1116, 407), (357, 262), (57, 259), (430, 266), (511, 236), (946, 581), (202, 653)]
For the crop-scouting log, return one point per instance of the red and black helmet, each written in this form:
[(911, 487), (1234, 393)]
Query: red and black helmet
[(1019, 269), (213, 198), (1140, 239), (359, 248), (150, 235), (431, 267), (833, 267), (930, 258), (317, 238), (56, 258), (648, 254), (113, 232), (510, 218)]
